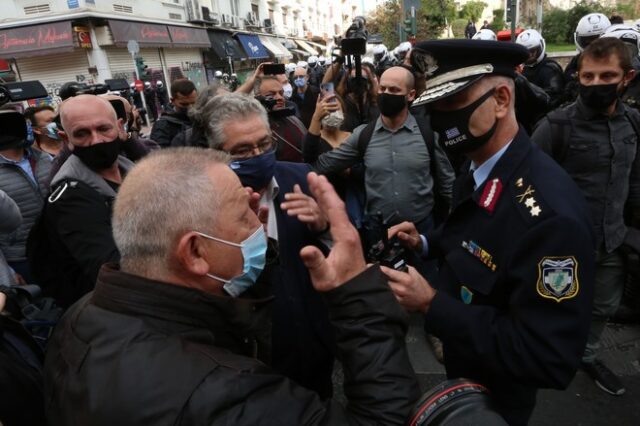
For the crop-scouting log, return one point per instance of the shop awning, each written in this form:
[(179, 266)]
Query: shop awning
[(224, 46), (306, 47), (322, 47), (147, 35), (276, 49), (252, 45), (302, 53), (36, 40), (189, 37)]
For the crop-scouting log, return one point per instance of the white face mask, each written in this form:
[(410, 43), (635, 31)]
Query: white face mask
[(333, 120), (288, 90)]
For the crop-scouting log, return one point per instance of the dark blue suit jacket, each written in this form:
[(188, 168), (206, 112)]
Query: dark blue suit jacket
[(301, 335)]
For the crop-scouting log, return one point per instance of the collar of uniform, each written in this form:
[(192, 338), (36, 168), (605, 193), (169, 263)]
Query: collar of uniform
[(587, 113), (410, 124), (510, 160), (138, 296), (27, 153), (481, 172)]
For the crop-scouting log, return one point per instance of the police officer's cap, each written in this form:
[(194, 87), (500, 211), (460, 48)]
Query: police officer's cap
[(453, 65)]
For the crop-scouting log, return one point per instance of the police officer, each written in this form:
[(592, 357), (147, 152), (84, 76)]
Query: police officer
[(516, 280), (541, 70)]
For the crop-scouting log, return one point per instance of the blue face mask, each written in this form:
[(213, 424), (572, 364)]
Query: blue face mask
[(52, 131), (254, 253), (256, 172), (300, 82)]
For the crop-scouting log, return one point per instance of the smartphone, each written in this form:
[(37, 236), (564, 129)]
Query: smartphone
[(327, 89), (273, 69)]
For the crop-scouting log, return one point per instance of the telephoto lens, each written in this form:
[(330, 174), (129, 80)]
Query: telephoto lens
[(457, 402)]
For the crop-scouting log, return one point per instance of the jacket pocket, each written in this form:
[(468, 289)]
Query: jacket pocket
[(472, 270)]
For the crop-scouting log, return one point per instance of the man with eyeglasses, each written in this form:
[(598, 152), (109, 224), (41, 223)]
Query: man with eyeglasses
[(515, 282), (302, 340)]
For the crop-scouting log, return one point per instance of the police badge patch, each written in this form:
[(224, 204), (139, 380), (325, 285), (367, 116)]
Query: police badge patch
[(558, 278)]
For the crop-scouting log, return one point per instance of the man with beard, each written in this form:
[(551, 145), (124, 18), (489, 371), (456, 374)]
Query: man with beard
[(183, 97), (595, 140), (515, 280), (76, 220)]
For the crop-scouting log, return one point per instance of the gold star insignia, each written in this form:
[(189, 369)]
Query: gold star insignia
[(535, 211), (530, 202)]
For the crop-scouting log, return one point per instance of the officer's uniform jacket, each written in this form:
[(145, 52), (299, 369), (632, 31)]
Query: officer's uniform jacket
[(515, 285)]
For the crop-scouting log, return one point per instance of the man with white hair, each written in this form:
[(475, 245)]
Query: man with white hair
[(76, 220), (302, 339), (305, 95), (164, 339)]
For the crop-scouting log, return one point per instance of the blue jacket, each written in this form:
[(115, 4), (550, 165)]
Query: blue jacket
[(301, 334)]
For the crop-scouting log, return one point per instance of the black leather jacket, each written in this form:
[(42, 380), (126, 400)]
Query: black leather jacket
[(142, 352)]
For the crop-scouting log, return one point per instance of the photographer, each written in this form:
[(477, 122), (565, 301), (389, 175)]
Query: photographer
[(360, 97)]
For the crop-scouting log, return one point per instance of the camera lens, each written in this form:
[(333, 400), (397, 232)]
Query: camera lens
[(456, 402)]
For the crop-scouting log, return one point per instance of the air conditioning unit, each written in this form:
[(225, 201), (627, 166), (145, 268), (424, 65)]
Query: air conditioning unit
[(252, 19), (235, 22), (226, 20), (206, 14)]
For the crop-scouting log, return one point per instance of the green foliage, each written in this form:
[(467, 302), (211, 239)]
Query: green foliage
[(498, 23), (384, 20), (554, 26), (458, 26), (472, 10), (431, 20)]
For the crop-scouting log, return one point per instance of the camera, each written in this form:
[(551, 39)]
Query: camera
[(389, 253), (21, 91), (269, 103), (355, 41), (72, 88)]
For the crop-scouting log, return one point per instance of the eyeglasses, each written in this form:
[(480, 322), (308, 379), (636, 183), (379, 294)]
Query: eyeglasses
[(248, 151)]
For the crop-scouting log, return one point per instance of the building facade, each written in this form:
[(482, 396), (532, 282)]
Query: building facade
[(90, 41)]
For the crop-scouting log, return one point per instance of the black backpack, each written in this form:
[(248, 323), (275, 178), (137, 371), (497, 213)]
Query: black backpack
[(441, 204), (562, 127)]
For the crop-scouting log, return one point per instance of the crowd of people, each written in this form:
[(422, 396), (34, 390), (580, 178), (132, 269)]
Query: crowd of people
[(214, 270)]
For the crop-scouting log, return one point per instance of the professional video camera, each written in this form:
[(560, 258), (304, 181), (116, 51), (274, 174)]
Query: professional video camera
[(72, 88), (21, 91), (379, 248)]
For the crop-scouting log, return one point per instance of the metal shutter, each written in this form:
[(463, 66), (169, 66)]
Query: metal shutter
[(54, 71), (122, 66), (186, 63)]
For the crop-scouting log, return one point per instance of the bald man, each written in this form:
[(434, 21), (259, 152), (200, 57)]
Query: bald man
[(75, 238), (405, 167)]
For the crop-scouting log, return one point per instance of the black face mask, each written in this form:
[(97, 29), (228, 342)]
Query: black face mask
[(391, 105), (599, 96), (453, 128), (99, 156)]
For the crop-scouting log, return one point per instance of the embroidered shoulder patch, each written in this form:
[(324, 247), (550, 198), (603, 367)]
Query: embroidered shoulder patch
[(558, 278)]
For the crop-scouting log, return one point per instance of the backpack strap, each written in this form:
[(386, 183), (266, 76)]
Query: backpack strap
[(365, 137), (561, 128)]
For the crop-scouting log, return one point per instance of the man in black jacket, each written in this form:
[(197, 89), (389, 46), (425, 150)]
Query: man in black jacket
[(183, 97), (73, 238), (170, 336), (304, 96)]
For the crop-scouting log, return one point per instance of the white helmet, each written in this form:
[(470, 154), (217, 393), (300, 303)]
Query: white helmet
[(626, 33), (132, 85), (290, 67), (637, 24), (312, 60), (322, 60), (589, 28), (218, 74), (402, 48), (302, 64), (380, 53), (147, 84), (367, 60), (485, 34), (532, 40), (159, 83)]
